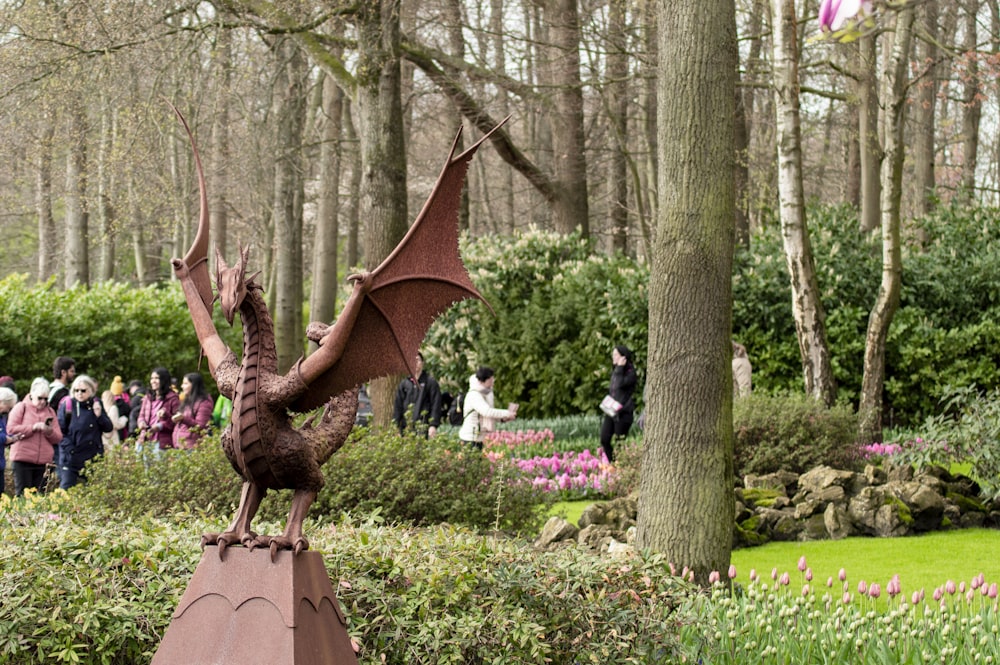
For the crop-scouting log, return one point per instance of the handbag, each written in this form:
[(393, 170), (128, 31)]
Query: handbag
[(610, 406)]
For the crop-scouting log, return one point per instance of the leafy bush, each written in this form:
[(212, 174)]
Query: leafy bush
[(791, 432), (967, 430), (75, 589), (109, 329), (405, 479), (559, 309)]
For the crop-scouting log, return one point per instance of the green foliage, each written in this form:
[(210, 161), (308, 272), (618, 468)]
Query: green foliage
[(559, 309), (74, 590), (966, 430), (109, 329), (405, 479), (945, 332), (791, 432)]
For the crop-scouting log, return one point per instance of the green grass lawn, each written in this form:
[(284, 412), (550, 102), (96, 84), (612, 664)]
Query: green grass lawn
[(922, 562)]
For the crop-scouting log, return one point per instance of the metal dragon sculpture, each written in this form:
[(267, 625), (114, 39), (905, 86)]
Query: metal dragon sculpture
[(377, 333)]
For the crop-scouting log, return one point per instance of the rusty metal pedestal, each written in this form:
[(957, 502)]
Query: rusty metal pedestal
[(247, 610)]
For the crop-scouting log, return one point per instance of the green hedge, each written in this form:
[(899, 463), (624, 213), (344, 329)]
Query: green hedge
[(109, 329), (404, 479), (76, 588)]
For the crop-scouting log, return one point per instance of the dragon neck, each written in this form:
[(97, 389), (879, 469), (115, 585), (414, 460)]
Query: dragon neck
[(258, 331)]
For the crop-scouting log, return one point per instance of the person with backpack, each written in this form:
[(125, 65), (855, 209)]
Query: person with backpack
[(84, 421), (34, 424)]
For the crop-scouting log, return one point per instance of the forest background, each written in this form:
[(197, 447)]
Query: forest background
[(633, 125)]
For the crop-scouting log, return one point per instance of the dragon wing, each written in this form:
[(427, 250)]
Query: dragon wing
[(416, 283)]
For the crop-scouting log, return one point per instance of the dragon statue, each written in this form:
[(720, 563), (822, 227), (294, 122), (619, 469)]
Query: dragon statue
[(377, 333)]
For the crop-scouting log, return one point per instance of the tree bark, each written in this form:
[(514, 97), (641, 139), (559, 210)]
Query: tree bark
[(105, 187), (383, 157), (47, 241), (686, 491), (887, 301), (77, 233), (924, 105), (972, 105), (289, 112), (323, 298), (618, 90), (218, 173), (868, 137), (807, 308)]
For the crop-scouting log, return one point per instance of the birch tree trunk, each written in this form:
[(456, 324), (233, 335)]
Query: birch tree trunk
[(807, 309), (686, 492), (887, 301)]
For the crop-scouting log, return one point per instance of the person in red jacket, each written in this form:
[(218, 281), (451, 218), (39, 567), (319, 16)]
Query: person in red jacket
[(156, 414), (33, 421)]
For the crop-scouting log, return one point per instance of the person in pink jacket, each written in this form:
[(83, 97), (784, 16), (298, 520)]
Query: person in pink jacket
[(195, 415), (156, 414), (34, 422)]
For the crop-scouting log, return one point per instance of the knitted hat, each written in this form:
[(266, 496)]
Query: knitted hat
[(117, 387)]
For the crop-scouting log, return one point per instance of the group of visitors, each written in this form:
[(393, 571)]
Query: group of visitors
[(62, 424)]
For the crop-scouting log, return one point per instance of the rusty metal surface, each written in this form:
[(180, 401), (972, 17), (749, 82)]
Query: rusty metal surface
[(250, 610)]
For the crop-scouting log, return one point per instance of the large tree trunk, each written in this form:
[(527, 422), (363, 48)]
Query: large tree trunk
[(323, 298), (218, 173), (383, 158), (290, 112), (570, 208), (505, 210), (105, 187), (686, 492), (77, 234), (887, 301), (807, 309)]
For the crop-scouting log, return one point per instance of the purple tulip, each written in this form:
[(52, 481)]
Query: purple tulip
[(833, 14)]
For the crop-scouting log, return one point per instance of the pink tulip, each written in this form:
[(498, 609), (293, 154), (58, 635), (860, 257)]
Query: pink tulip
[(753, 574), (846, 597), (809, 574), (862, 588), (829, 582), (774, 573), (842, 575), (938, 593), (834, 13), (802, 563), (949, 586), (785, 579), (805, 590), (732, 572), (992, 592), (875, 590), (969, 595), (915, 598), (713, 577), (961, 586)]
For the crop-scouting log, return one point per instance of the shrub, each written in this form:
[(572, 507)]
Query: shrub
[(75, 589), (791, 432), (966, 431), (405, 479)]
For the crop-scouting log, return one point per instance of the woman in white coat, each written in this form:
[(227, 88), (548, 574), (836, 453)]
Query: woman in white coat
[(480, 414)]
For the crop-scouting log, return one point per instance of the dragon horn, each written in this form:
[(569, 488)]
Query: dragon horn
[(197, 257)]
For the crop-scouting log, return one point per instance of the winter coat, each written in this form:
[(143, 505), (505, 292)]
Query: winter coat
[(84, 431), (36, 447), (480, 415), (196, 420), (622, 388), (170, 403), (417, 402)]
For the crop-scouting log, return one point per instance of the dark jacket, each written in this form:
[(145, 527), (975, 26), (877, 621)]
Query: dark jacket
[(83, 433), (417, 402), (622, 388)]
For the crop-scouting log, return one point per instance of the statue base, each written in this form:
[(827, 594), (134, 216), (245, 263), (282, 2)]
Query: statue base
[(247, 610)]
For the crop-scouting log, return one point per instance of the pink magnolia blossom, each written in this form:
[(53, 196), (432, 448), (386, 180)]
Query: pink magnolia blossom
[(833, 14)]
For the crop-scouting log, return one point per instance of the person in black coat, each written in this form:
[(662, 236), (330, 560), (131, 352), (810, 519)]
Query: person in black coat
[(83, 420), (418, 402), (622, 387)]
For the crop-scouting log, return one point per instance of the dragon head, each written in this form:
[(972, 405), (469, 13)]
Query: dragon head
[(231, 283)]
